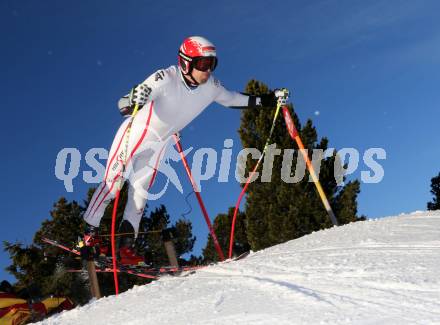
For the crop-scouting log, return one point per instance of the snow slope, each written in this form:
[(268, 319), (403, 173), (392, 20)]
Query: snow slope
[(385, 271)]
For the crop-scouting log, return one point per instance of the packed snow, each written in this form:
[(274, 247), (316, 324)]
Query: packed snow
[(384, 271)]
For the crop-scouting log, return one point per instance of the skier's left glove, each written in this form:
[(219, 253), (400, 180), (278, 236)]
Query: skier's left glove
[(139, 95)]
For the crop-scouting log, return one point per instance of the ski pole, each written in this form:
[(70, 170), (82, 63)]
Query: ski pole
[(199, 199), (243, 191), (293, 132), (115, 205)]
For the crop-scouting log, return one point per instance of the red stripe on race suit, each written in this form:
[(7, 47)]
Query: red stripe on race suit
[(144, 133), (109, 166), (153, 178)]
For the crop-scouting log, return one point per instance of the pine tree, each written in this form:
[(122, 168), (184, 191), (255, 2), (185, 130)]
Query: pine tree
[(65, 225), (345, 206), (222, 228), (435, 190), (152, 242), (41, 268), (277, 211)]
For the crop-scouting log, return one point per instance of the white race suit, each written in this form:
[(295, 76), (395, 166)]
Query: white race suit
[(171, 105)]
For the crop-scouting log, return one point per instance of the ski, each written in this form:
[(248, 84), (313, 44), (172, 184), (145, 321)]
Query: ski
[(105, 264), (241, 256), (108, 270), (152, 276), (101, 264), (154, 273), (55, 243), (139, 270)]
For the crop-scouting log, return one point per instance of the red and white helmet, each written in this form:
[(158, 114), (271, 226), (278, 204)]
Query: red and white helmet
[(197, 52)]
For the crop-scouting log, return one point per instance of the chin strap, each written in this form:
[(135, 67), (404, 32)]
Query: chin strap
[(188, 78), (193, 83), (186, 82)]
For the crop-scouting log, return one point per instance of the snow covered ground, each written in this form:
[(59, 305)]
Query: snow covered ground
[(385, 271)]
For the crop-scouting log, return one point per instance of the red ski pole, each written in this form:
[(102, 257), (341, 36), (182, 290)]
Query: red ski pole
[(199, 199)]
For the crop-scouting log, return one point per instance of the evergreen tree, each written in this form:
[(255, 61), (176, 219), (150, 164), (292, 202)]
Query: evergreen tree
[(41, 268), (277, 211), (345, 206), (152, 243), (65, 224), (435, 190), (222, 228)]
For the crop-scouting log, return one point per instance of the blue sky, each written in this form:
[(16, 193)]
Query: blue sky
[(370, 68)]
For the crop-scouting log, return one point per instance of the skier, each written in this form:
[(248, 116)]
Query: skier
[(168, 100)]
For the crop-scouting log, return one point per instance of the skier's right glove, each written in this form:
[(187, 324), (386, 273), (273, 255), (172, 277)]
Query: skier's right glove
[(139, 95)]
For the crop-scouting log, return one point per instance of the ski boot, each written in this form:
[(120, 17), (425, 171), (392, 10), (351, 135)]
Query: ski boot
[(127, 251), (91, 236), (92, 244)]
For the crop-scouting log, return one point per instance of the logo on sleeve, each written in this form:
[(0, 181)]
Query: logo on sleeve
[(159, 75), (144, 92)]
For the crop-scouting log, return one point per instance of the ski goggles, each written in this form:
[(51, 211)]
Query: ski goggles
[(204, 63)]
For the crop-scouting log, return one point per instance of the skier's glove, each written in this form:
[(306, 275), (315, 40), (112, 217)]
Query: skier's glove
[(126, 110), (139, 95), (282, 95), (271, 99), (267, 100), (124, 106)]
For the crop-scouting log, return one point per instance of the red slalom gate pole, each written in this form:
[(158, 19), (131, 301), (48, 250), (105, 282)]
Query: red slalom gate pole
[(115, 270), (119, 184), (237, 206), (199, 199), (248, 181)]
